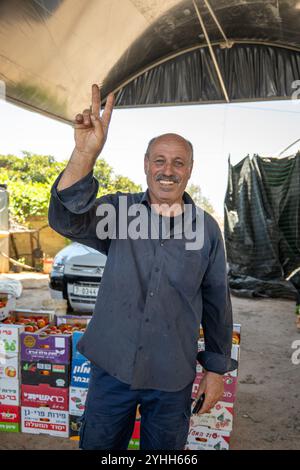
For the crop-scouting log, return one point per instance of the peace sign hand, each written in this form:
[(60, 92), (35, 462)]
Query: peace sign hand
[(90, 128)]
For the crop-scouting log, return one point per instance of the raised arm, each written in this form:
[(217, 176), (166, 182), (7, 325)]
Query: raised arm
[(90, 135), (73, 203)]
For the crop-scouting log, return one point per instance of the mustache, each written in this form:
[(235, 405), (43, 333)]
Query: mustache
[(172, 178)]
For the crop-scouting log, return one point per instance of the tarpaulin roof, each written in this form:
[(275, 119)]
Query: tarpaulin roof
[(151, 52)]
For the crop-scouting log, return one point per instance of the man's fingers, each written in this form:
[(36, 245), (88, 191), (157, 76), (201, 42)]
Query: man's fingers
[(96, 100), (109, 106), (201, 388), (208, 404), (78, 122), (87, 117)]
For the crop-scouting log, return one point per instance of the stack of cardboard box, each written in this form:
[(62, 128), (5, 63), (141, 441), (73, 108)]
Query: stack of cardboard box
[(45, 372), (11, 328), (80, 376), (10, 417), (212, 431)]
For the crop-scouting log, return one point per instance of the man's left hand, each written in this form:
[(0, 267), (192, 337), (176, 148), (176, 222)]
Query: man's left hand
[(213, 386)]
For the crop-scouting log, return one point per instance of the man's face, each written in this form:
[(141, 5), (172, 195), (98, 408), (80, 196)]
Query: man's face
[(168, 168)]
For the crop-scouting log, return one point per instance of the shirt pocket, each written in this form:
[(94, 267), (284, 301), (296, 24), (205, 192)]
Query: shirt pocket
[(189, 271)]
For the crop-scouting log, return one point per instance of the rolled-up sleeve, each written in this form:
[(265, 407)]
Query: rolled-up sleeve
[(217, 312), (72, 212)]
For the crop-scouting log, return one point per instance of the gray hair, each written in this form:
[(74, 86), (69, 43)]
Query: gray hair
[(153, 140)]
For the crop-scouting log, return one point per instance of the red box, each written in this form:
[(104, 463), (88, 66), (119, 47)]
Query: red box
[(43, 395), (10, 414), (137, 430)]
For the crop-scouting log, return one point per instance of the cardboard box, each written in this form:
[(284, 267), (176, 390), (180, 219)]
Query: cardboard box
[(230, 387), (10, 418), (10, 333), (202, 438), (55, 348), (44, 395), (10, 427), (10, 304), (50, 348), (10, 338), (76, 355), (9, 392), (45, 421), (219, 418), (9, 366), (36, 373), (74, 426), (80, 374), (77, 398), (73, 319), (236, 333), (134, 443)]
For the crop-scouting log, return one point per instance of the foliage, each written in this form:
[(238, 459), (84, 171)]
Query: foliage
[(29, 179), (196, 194)]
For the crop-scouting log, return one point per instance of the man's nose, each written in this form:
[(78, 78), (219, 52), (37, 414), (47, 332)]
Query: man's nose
[(168, 170)]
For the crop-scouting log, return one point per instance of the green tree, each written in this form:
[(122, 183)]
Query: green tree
[(29, 179)]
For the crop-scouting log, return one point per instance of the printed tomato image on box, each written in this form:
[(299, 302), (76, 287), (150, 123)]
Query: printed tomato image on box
[(45, 421), (45, 396), (42, 346), (220, 417), (80, 374), (36, 373), (203, 438), (77, 400), (10, 418), (9, 366), (9, 392)]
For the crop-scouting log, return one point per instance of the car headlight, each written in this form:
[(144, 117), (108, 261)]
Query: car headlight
[(59, 264)]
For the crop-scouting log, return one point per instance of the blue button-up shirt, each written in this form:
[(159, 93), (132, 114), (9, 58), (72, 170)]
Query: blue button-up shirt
[(153, 296)]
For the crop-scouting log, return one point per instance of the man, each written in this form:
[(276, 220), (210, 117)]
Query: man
[(154, 293)]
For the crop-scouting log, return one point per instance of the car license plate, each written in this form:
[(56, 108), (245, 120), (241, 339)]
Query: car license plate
[(85, 291)]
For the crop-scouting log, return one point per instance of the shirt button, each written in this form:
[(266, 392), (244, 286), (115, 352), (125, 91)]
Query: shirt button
[(151, 294), (161, 243)]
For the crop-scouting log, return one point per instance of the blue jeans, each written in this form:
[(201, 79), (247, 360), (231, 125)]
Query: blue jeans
[(110, 413)]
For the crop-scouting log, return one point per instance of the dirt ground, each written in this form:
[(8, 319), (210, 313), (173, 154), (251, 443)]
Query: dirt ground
[(267, 411)]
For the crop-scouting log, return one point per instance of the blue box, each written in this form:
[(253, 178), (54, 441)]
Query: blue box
[(80, 373), (76, 355)]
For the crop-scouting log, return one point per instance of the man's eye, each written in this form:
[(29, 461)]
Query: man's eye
[(159, 162), (178, 163)]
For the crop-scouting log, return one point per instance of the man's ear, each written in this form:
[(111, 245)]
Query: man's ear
[(191, 168), (146, 164)]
